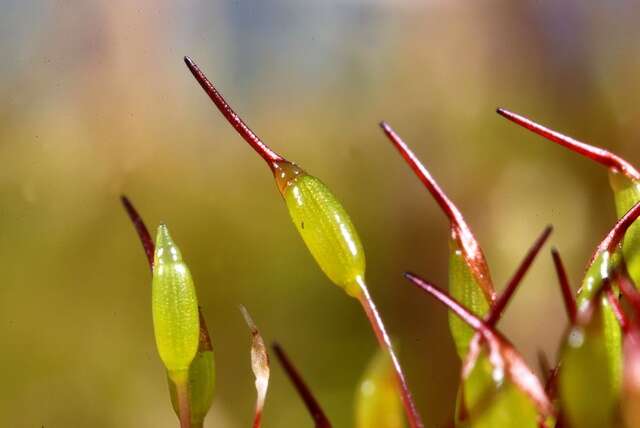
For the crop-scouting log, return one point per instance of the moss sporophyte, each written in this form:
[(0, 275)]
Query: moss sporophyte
[(594, 383), (325, 227), (174, 281)]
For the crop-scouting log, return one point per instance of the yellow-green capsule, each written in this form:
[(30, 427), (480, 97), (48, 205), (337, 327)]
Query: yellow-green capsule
[(174, 306), (324, 226), (377, 401)]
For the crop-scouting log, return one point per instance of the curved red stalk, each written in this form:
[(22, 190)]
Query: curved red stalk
[(271, 157), (615, 235), (597, 154), (498, 308), (413, 416), (462, 233), (145, 238), (303, 390), (628, 290), (501, 352), (567, 295), (617, 309)]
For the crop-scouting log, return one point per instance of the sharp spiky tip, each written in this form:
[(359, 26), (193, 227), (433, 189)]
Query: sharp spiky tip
[(271, 158), (143, 233), (462, 233), (565, 287), (596, 154), (443, 297), (498, 308)]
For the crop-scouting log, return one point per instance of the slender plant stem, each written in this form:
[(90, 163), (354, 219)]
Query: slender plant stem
[(257, 421), (181, 381), (314, 408), (383, 339)]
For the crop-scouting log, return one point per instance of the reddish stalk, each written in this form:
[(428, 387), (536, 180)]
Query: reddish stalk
[(415, 421), (567, 295), (596, 154), (303, 390), (271, 157), (181, 381), (615, 235), (629, 291), (145, 237), (462, 233), (498, 308), (501, 352), (617, 309)]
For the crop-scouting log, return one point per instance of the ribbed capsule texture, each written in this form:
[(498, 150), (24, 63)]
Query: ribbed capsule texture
[(174, 305), (464, 287), (324, 226), (377, 401)]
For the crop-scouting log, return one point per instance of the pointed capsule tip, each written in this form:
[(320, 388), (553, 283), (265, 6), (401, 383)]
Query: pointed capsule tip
[(165, 241)]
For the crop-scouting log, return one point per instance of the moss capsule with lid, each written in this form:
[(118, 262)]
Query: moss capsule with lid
[(324, 226)]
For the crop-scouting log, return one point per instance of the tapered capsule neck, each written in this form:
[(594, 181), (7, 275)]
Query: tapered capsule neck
[(166, 249), (270, 157), (597, 154), (286, 173)]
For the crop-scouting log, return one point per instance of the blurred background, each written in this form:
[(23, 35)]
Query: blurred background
[(96, 101)]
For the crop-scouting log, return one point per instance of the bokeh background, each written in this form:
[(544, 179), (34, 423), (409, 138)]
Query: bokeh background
[(95, 102)]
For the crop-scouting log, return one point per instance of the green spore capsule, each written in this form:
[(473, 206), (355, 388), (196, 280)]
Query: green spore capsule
[(324, 225), (465, 288), (589, 393), (377, 401), (174, 306)]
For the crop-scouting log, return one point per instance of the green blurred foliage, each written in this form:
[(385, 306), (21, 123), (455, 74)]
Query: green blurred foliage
[(96, 102)]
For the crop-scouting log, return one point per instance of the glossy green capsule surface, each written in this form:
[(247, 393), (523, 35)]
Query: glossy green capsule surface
[(589, 391), (377, 401), (489, 399), (174, 305), (324, 226), (465, 288)]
